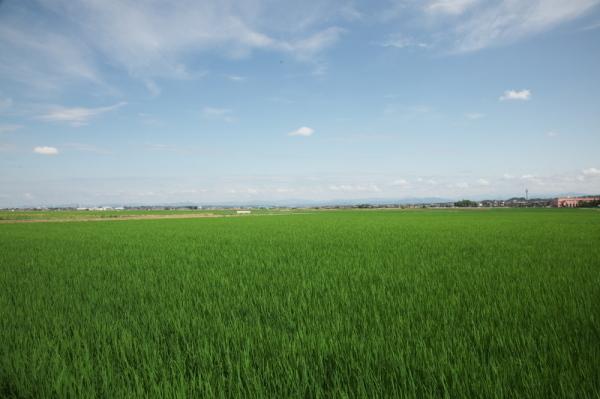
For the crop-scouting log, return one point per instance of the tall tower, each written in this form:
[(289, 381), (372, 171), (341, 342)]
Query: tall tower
[(527, 194)]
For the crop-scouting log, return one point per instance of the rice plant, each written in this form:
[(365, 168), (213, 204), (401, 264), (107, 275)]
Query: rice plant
[(499, 303)]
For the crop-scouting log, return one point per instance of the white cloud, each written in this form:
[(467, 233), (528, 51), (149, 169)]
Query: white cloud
[(533, 179), (244, 191), (9, 128), (270, 188), (430, 182), (508, 176), (76, 116), (462, 185), (303, 131), (552, 134), (483, 182), (591, 172), (522, 95), (452, 7), (400, 182), (151, 39), (45, 150), (236, 78), (355, 188), (224, 114)]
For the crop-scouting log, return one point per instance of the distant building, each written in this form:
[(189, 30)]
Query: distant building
[(573, 202), (242, 212)]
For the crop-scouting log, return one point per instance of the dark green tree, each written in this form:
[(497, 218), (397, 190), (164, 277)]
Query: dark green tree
[(466, 204)]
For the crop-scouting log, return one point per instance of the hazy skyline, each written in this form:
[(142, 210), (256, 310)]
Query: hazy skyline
[(215, 101)]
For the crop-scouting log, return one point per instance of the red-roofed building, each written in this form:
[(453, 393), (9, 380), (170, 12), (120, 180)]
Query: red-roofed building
[(573, 202)]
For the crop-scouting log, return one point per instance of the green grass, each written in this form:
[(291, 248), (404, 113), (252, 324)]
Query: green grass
[(502, 303), (48, 215)]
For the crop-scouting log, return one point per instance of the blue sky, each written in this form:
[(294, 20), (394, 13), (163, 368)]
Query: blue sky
[(106, 101)]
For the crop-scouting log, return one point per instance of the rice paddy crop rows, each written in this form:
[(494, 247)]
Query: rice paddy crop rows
[(499, 303)]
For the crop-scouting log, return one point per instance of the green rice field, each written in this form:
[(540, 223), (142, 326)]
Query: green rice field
[(403, 303), (111, 214)]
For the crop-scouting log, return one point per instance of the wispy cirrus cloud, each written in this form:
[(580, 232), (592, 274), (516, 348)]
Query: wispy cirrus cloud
[(154, 39), (76, 116), (235, 78), (593, 26), (507, 21), (43, 57), (462, 26), (402, 41), (308, 47), (71, 43), (452, 7)]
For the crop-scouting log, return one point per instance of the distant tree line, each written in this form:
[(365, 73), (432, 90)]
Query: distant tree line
[(589, 204), (365, 206), (466, 204)]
